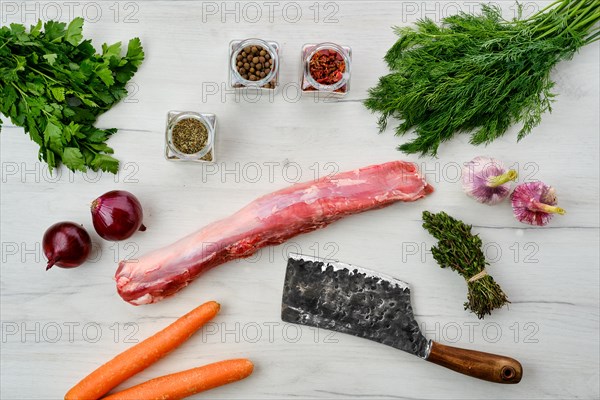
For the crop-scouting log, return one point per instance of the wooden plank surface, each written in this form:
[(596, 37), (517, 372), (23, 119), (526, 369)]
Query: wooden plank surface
[(58, 325)]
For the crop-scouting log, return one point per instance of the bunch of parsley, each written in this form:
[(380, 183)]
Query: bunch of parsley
[(53, 84), (478, 74)]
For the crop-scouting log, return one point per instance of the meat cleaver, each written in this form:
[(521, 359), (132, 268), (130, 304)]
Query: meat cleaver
[(340, 297)]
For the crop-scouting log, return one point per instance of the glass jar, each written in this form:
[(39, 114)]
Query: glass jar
[(242, 80), (309, 83), (207, 153)]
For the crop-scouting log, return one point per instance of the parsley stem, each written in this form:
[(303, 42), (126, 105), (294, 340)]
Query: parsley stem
[(23, 94), (44, 75)]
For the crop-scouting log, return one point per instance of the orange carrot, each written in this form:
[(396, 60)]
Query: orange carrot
[(186, 383), (142, 355)]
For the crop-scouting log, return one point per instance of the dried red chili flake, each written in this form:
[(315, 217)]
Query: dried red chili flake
[(327, 67)]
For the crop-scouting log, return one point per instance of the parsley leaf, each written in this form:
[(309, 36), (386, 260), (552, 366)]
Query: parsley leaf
[(53, 84), (135, 53), (74, 29), (105, 163), (50, 58), (106, 75), (73, 159), (53, 31), (52, 137)]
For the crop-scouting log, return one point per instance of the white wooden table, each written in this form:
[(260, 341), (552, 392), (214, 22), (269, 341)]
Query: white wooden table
[(59, 325)]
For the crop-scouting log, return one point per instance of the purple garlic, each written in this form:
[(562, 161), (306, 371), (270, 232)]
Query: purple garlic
[(486, 180), (534, 203)]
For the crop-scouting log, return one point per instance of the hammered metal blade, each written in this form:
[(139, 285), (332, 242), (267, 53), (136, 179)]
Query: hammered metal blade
[(344, 298)]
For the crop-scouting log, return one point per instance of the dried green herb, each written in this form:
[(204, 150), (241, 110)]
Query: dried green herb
[(190, 136), (478, 74), (461, 251)]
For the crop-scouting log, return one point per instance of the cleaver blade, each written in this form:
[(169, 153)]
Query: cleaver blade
[(341, 297)]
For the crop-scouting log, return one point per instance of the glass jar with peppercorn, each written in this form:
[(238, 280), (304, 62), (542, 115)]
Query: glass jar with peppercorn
[(190, 136), (326, 69), (254, 64)]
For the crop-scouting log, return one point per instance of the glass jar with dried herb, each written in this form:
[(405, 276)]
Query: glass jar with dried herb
[(190, 136), (253, 64), (326, 69)]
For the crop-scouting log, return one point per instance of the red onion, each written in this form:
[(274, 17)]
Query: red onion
[(117, 215), (66, 245)]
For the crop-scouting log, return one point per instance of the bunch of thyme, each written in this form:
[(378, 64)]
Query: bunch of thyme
[(478, 73), (461, 251)]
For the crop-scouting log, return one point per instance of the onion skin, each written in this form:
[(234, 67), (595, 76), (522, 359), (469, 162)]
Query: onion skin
[(117, 215), (66, 245)]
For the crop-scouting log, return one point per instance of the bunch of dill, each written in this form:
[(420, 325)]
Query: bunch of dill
[(461, 251), (478, 73)]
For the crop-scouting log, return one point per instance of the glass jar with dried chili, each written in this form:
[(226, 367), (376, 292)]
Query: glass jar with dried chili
[(326, 68)]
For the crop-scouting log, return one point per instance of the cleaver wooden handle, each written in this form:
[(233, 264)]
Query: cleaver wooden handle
[(486, 366)]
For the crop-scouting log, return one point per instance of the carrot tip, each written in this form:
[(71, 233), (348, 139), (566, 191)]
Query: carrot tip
[(251, 366)]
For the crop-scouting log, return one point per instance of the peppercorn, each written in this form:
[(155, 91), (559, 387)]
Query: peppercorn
[(255, 63)]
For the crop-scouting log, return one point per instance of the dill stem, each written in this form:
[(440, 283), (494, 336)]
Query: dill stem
[(549, 16), (593, 38), (586, 24), (563, 3), (585, 13), (574, 14)]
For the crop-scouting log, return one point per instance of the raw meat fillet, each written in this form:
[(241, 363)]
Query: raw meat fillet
[(268, 220)]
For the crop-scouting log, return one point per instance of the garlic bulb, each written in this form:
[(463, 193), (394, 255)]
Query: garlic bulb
[(534, 203), (487, 180)]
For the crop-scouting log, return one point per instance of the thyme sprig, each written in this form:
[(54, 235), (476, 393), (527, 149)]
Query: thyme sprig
[(478, 73), (461, 251)]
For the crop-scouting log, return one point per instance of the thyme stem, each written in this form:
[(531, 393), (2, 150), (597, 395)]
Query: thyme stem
[(461, 251)]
